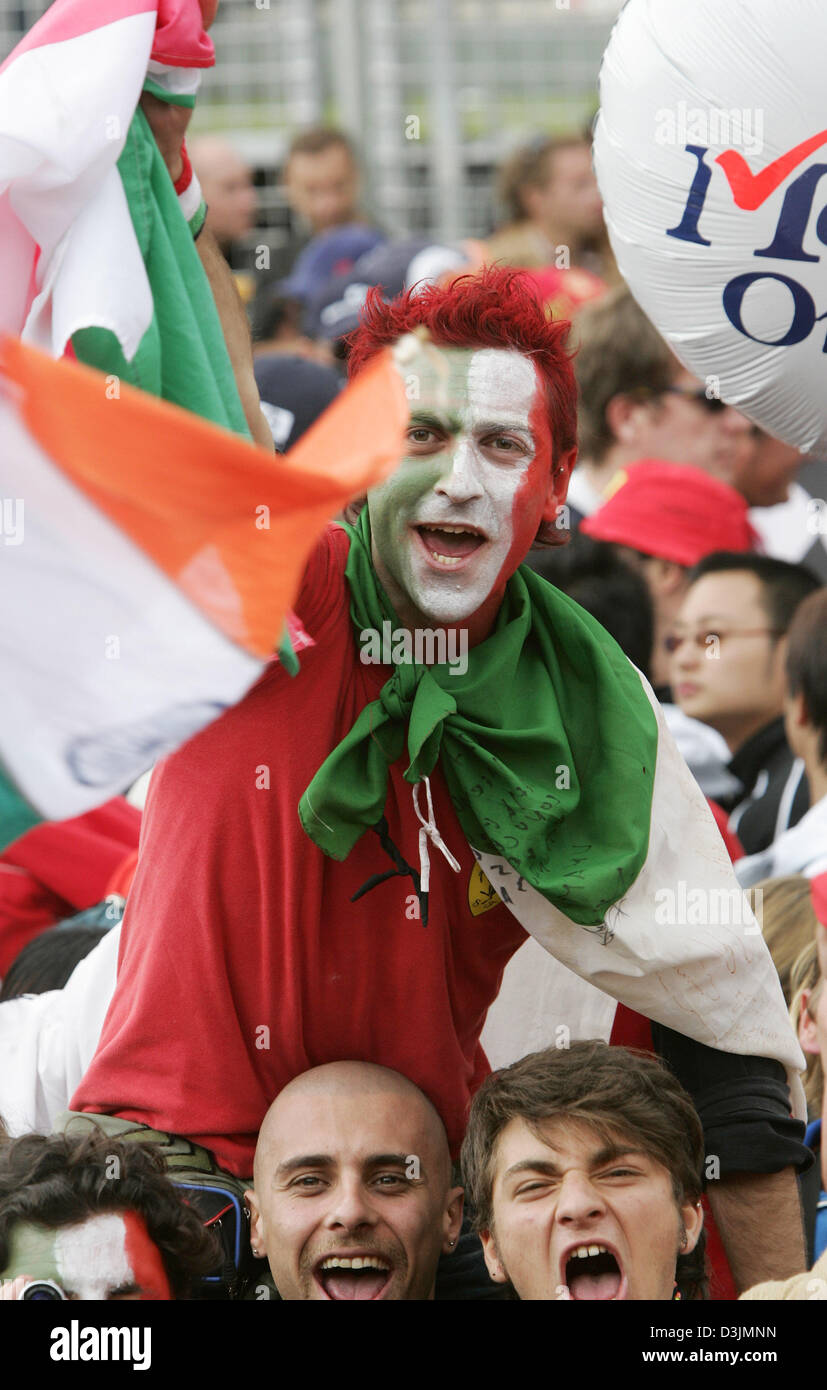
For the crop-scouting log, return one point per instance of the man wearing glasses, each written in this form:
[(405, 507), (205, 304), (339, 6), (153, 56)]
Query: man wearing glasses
[(727, 652)]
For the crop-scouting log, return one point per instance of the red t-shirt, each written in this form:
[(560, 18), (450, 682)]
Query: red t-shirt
[(243, 961)]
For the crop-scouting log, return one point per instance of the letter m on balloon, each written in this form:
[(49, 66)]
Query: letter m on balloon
[(751, 189)]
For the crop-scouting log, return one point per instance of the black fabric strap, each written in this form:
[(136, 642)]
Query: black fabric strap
[(402, 869), (743, 1103)]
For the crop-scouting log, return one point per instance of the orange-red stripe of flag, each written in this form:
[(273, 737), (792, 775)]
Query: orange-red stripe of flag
[(183, 489)]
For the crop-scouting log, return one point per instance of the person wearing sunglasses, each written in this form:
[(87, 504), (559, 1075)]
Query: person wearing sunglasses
[(637, 402), (726, 651)]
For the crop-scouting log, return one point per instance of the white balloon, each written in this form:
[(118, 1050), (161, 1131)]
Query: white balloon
[(710, 150)]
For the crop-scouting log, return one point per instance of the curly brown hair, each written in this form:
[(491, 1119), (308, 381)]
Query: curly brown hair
[(61, 1179)]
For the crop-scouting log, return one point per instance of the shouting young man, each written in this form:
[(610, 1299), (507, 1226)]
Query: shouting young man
[(353, 1196), (445, 807), (584, 1165)]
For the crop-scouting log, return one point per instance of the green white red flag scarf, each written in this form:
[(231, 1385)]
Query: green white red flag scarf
[(604, 873), (157, 560), (96, 257)]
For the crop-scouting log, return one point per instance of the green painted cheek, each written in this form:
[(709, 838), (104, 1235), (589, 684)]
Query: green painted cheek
[(391, 505), (31, 1251), (415, 475)]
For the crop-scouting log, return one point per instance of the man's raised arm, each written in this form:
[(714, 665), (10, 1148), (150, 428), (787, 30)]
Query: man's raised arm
[(169, 124), (753, 1148), (759, 1219), (236, 334)]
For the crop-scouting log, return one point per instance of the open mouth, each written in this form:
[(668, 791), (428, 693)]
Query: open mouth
[(592, 1273), (449, 546), (362, 1277)]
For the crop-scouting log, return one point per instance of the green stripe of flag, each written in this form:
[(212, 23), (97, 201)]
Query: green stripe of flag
[(182, 355), (173, 99), (16, 815)]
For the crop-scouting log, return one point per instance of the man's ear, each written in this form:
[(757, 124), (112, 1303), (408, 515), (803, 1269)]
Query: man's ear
[(692, 1214), (452, 1220), (796, 711), (623, 416), (256, 1226), (807, 1031), (496, 1268), (558, 484), (667, 578)]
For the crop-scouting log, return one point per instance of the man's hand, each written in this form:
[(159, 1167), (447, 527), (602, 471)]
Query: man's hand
[(758, 1216), (168, 124)]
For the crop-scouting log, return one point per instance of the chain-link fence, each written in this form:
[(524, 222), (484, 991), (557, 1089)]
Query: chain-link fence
[(434, 92)]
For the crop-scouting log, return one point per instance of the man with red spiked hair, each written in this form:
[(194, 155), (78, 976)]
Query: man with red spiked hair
[(341, 866)]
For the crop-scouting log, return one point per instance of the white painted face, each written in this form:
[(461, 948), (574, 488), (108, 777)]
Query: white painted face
[(461, 511), (91, 1258), (107, 1256), (110, 1256)]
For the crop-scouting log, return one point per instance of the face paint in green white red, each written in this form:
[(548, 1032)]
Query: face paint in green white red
[(480, 465), (110, 1255)]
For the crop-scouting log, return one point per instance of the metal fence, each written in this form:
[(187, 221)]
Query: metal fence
[(434, 92)]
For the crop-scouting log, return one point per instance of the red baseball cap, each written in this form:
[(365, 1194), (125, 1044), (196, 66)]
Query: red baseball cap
[(672, 511)]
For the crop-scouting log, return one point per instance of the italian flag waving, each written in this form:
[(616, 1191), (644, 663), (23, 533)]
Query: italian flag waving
[(149, 558), (150, 567), (96, 258)]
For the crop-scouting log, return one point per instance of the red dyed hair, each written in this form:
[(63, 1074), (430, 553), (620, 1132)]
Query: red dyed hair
[(492, 309)]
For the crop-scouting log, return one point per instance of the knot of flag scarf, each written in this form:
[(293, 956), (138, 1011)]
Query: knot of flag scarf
[(546, 741), (412, 696)]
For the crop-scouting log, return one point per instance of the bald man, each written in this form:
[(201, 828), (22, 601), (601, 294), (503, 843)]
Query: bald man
[(353, 1196), (227, 186)]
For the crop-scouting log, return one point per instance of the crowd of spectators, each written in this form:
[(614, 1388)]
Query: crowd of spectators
[(583, 1170)]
